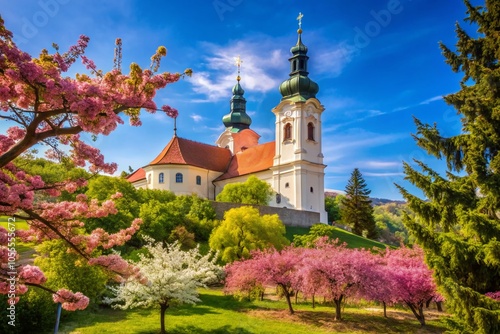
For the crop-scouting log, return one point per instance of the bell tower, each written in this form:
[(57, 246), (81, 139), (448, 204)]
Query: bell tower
[(298, 169)]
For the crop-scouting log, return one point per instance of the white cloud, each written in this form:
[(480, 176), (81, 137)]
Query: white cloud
[(432, 99), (382, 164), (196, 118), (332, 59), (424, 102), (354, 140), (383, 174), (262, 59)]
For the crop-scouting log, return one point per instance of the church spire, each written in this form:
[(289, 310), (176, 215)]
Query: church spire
[(237, 119), (299, 86)]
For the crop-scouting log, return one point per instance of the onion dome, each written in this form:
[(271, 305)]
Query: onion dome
[(237, 119), (299, 87)]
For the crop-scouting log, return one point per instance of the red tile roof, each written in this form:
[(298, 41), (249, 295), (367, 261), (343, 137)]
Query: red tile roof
[(138, 175), (251, 160), (187, 152), (245, 139)]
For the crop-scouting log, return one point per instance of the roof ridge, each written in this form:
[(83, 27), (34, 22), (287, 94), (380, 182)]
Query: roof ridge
[(165, 151)]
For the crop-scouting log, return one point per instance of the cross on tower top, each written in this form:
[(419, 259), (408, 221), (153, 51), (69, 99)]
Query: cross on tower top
[(299, 18), (238, 62)]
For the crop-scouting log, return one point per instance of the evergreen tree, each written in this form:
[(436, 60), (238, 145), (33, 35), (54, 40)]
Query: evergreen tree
[(357, 210), (459, 224)]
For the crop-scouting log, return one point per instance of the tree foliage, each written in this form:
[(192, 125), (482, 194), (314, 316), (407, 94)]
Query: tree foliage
[(43, 106), (316, 232), (458, 225), (243, 230), (389, 221), (171, 276), (332, 208), (357, 210), (268, 267), (69, 271), (252, 191), (335, 272)]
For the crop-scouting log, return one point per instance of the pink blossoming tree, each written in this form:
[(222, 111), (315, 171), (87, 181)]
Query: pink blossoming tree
[(45, 107), (411, 279), (335, 272)]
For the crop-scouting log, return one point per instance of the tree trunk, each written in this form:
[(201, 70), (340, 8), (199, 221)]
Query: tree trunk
[(288, 299), (420, 315), (296, 297), (439, 306), (338, 309), (163, 308), (261, 295), (385, 309), (314, 301)]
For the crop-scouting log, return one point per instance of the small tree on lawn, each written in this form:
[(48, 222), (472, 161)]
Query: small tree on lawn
[(411, 280), (241, 280), (267, 267), (172, 276), (243, 230), (357, 210), (336, 272)]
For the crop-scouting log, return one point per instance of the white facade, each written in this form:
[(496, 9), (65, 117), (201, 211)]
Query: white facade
[(298, 169)]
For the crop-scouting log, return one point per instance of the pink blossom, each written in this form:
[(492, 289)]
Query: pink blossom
[(171, 112), (31, 274), (70, 301), (493, 295)]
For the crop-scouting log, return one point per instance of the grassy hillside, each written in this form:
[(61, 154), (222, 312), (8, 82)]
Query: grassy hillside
[(352, 240), (219, 313)]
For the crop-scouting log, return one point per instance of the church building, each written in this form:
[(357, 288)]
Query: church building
[(292, 164)]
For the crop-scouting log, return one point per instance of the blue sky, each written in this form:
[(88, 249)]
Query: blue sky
[(377, 64)]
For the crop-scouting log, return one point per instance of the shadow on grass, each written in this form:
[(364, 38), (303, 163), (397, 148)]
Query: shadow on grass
[(190, 329), (352, 322), (226, 302)]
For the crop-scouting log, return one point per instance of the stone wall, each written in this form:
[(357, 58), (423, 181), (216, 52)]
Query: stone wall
[(289, 217)]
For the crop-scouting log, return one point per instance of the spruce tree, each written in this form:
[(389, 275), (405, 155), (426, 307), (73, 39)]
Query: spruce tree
[(458, 225), (357, 210)]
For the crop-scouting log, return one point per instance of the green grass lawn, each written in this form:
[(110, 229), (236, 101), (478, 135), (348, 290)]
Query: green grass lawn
[(223, 314), (19, 224), (352, 240)]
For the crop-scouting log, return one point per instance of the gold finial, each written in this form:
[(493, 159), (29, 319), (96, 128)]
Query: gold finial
[(238, 62), (299, 18)]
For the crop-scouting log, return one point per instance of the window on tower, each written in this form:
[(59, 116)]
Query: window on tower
[(310, 131), (198, 180), (178, 178), (288, 131), (161, 178)]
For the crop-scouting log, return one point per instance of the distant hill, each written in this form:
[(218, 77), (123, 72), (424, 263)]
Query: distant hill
[(375, 201)]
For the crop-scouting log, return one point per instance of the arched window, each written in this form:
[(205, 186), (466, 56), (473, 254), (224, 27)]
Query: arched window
[(149, 178), (310, 131), (178, 178), (161, 178), (312, 190), (288, 131), (287, 185), (198, 180)]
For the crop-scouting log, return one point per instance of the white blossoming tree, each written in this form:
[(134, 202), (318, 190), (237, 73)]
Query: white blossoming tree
[(171, 276)]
